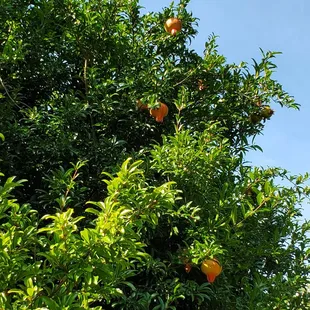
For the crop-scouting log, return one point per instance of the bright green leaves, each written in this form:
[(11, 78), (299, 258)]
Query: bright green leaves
[(270, 88), (63, 225), (131, 198), (17, 241), (28, 291), (89, 262), (63, 187), (127, 174)]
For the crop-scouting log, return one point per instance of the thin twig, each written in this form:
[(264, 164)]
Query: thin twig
[(254, 211), (191, 73), (8, 94), (86, 93), (85, 75)]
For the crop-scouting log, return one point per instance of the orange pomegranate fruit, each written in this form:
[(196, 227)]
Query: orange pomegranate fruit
[(173, 25), (160, 113), (211, 268)]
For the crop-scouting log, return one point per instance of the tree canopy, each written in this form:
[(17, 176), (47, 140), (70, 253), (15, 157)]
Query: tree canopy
[(123, 166)]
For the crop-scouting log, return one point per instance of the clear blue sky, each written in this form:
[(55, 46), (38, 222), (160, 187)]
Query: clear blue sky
[(243, 27)]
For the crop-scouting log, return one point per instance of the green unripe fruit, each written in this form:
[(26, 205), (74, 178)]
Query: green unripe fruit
[(255, 118), (266, 112)]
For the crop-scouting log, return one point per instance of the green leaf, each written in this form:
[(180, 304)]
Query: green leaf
[(30, 291), (260, 197), (17, 291), (129, 284), (50, 302), (92, 210), (85, 235)]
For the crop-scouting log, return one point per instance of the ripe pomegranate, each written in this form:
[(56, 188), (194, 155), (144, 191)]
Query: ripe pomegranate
[(211, 268), (160, 113), (173, 25)]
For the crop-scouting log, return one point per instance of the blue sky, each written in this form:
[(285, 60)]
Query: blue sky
[(243, 27)]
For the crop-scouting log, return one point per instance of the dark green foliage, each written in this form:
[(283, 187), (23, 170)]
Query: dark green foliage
[(177, 192)]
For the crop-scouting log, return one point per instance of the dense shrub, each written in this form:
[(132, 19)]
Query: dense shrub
[(174, 193)]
